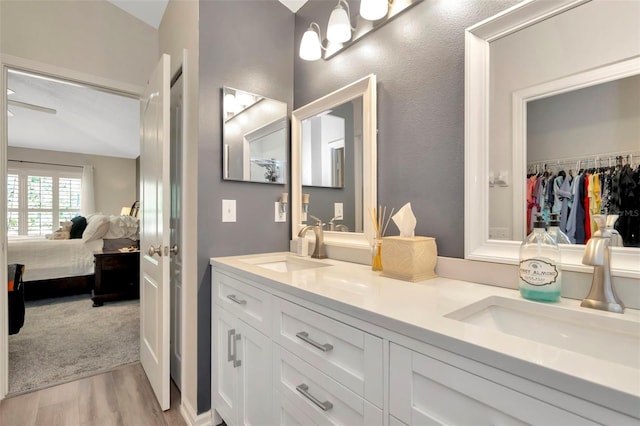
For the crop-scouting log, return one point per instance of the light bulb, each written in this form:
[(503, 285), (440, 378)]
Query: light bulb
[(230, 104), (372, 10), (339, 27), (310, 45)]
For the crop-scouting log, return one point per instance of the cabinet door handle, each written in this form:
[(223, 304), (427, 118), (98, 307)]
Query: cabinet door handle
[(304, 390), (326, 347), (234, 298), (230, 342), (236, 361)]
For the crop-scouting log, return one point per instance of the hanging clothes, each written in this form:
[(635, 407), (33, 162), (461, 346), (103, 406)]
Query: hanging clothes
[(588, 182), (628, 224), (566, 199)]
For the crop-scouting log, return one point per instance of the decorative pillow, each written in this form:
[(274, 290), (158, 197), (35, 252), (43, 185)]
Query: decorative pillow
[(65, 226), (78, 225), (96, 229)]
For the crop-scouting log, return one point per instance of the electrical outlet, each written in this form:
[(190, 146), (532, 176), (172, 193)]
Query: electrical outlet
[(228, 210), (280, 216), (337, 210)]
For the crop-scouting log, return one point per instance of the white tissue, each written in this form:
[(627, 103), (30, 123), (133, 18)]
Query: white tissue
[(405, 221)]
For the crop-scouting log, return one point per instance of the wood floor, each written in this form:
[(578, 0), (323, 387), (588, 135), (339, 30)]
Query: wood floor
[(118, 397)]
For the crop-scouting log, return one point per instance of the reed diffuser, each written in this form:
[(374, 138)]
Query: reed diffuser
[(380, 222)]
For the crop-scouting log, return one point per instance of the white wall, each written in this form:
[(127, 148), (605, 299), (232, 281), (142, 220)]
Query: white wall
[(114, 179), (92, 37), (594, 34), (584, 123)]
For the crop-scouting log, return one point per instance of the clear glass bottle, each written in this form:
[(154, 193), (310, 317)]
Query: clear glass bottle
[(540, 274), (554, 230)]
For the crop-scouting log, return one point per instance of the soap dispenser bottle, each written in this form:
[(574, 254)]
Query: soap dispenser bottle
[(540, 274), (554, 230)]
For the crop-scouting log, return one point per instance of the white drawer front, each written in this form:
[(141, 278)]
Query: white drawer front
[(425, 391), (287, 413), (249, 303), (319, 397), (346, 354)]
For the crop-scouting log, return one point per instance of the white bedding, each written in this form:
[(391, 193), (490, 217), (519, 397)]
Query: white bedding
[(46, 259)]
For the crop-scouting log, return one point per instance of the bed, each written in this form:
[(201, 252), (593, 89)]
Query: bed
[(62, 267)]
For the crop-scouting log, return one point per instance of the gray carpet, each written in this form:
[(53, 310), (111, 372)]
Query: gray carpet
[(65, 338)]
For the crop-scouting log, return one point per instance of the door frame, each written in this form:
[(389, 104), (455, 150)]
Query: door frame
[(14, 62)]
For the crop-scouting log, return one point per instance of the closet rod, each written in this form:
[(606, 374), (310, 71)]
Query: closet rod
[(46, 164), (593, 157)]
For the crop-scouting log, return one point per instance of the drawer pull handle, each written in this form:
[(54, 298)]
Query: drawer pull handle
[(236, 361), (305, 336), (234, 298), (230, 343), (304, 390)]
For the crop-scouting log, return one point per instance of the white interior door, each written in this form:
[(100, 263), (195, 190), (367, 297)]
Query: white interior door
[(177, 129), (155, 203)]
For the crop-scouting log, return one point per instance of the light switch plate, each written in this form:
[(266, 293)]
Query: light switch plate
[(228, 210), (280, 216), (338, 210)]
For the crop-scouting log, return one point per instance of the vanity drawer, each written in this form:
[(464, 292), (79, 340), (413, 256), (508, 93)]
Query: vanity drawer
[(426, 391), (317, 396), (346, 354), (247, 302)]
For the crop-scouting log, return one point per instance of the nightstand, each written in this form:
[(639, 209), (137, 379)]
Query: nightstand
[(117, 276)]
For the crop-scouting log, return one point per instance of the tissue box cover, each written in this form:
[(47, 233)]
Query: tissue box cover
[(409, 259)]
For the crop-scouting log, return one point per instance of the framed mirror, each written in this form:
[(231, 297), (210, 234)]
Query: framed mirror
[(520, 65), (254, 137), (333, 155)]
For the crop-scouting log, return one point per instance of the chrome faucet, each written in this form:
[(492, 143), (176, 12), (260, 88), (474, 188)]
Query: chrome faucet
[(319, 251), (598, 254), (331, 226)]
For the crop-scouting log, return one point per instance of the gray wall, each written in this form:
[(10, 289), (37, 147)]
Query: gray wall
[(419, 62), (247, 45)]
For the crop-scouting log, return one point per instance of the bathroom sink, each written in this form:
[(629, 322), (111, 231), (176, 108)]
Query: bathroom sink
[(284, 263), (612, 339)]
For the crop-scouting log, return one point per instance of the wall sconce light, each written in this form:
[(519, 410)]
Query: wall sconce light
[(339, 27), (372, 10), (340, 32), (284, 200), (311, 46)]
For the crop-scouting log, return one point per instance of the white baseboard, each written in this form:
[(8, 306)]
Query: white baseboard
[(190, 415)]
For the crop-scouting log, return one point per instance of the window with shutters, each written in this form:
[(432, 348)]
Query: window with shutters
[(38, 200)]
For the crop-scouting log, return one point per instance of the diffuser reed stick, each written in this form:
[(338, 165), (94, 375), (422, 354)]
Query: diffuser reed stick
[(380, 222)]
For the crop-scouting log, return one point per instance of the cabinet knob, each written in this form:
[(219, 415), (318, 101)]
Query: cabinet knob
[(155, 250), (172, 250)]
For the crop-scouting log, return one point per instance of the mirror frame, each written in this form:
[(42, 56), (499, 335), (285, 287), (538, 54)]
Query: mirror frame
[(625, 261), (365, 87)]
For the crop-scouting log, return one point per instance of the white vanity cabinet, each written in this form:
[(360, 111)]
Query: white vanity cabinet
[(241, 373), (285, 355)]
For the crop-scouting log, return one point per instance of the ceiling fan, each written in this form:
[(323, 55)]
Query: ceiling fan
[(20, 104)]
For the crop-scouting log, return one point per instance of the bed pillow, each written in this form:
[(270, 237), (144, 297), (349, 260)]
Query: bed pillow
[(96, 228), (122, 227), (78, 225)]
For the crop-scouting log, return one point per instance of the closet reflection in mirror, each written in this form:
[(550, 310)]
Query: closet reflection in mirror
[(332, 164), (583, 148), (254, 137)]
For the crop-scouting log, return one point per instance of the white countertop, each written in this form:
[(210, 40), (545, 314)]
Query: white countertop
[(417, 310)]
